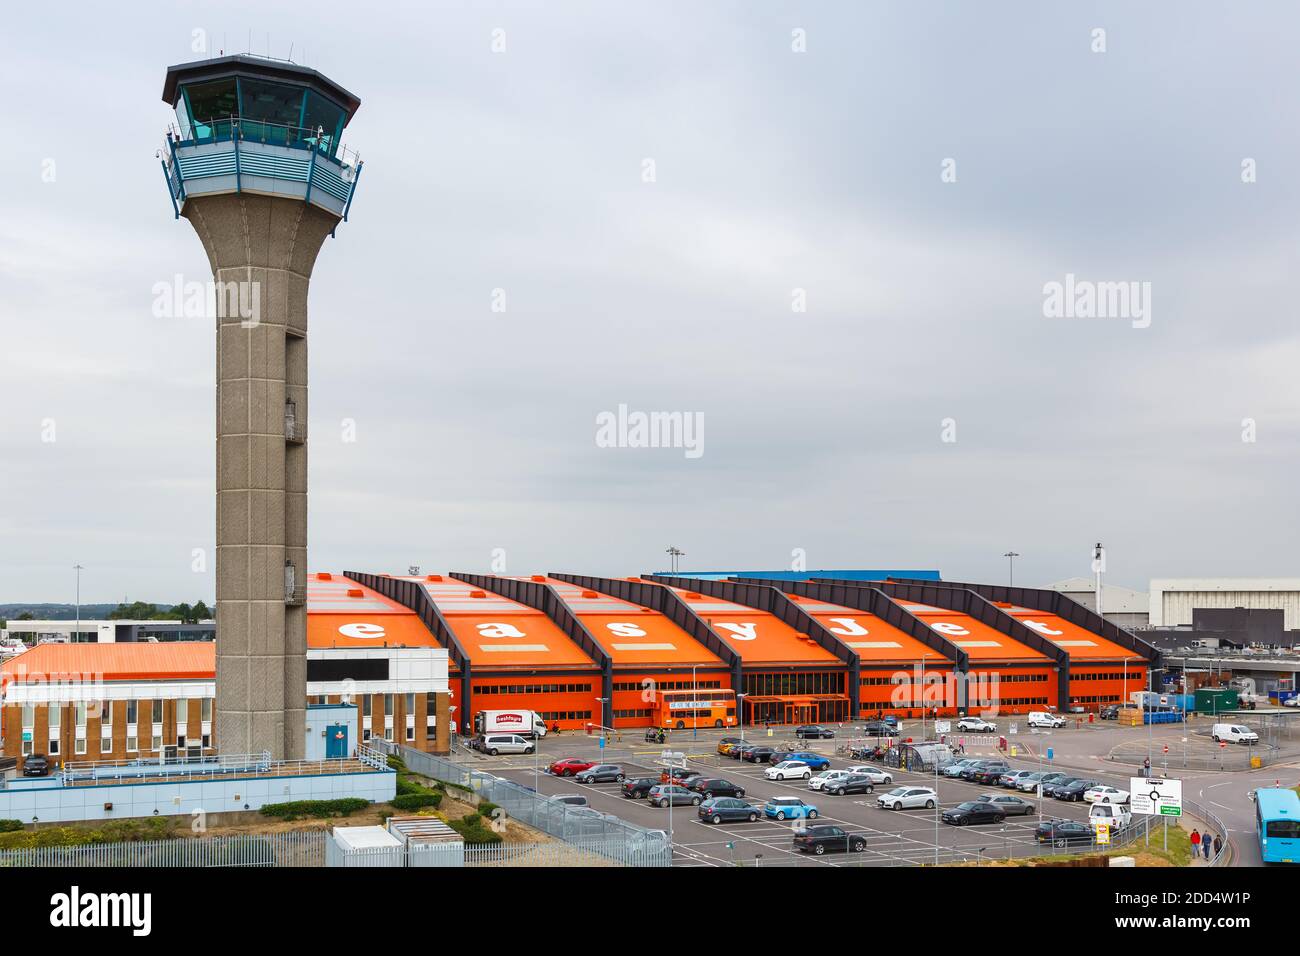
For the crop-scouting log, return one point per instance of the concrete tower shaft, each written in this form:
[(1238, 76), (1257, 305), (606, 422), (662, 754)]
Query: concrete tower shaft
[(265, 248)]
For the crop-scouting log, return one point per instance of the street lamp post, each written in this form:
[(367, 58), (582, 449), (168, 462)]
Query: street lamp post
[(1011, 567), (695, 695), (740, 713), (77, 634)]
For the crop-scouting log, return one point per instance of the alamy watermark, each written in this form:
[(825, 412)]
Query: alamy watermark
[(179, 299), (633, 429), (1085, 299)]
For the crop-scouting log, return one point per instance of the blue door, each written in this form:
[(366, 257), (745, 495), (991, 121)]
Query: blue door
[(336, 741)]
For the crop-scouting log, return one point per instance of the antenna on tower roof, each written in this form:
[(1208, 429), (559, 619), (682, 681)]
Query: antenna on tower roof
[(290, 52)]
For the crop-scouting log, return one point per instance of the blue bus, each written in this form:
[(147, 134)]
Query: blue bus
[(1277, 820)]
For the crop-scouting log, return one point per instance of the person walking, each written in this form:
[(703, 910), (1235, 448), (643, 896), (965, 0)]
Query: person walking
[(1146, 766), (1206, 845), (1218, 845), (1196, 842)]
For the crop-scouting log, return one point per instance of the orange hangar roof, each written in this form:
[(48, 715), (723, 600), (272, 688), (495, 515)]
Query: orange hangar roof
[(977, 639), (633, 635), (874, 639), (343, 613), (171, 660), (757, 636), (498, 632), (1080, 643)]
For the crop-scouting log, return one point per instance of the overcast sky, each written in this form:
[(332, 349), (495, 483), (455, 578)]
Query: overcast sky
[(774, 170)]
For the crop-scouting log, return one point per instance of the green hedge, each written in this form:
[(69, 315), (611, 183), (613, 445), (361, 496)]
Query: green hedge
[(416, 801), (112, 831), (474, 830), (9, 826), (300, 809)]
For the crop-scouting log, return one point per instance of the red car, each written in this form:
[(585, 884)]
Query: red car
[(570, 765)]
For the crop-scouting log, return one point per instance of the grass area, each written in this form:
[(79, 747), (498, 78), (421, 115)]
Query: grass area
[(112, 831), (1155, 855)]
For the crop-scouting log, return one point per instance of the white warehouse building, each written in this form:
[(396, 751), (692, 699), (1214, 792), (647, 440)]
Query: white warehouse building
[(1172, 599)]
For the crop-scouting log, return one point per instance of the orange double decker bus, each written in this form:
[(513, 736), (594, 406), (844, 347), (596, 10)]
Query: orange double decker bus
[(680, 709)]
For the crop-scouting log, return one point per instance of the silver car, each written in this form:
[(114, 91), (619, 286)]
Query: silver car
[(1008, 803), (494, 744), (875, 773)]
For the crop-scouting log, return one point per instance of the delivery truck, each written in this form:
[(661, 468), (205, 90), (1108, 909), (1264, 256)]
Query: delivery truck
[(526, 723)]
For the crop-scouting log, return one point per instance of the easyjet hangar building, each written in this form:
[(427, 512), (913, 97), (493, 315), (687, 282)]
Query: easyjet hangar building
[(420, 655)]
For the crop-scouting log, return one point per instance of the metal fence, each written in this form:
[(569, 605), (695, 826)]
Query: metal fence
[(298, 848), (596, 833)]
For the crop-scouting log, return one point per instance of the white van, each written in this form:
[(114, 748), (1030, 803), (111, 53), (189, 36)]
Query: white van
[(1234, 734), (1117, 816), (494, 744), (1041, 718)]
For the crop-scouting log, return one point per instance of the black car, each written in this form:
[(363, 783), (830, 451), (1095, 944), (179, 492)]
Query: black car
[(716, 787), (969, 771), (36, 765), (1049, 790), (827, 838), (727, 810), (878, 728), (973, 811), (853, 783), (776, 756), (1073, 791), (1109, 712), (990, 772), (639, 787), (813, 732), (1063, 832), (757, 754)]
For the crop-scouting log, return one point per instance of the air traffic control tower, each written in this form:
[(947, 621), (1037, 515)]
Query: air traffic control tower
[(255, 164)]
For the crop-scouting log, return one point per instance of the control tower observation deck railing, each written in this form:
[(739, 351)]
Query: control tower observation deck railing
[(234, 154)]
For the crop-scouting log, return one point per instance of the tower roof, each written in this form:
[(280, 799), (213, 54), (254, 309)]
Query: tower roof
[(244, 64)]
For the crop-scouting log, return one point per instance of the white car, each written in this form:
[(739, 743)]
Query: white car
[(908, 798), (1291, 702), (977, 725), (820, 781), (875, 773), (789, 770), (1041, 718), (1104, 794)]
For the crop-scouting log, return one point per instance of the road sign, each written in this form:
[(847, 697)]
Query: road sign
[(1103, 834), (1156, 797), (943, 727), (1050, 753), (1015, 728), (1166, 748), (602, 742)]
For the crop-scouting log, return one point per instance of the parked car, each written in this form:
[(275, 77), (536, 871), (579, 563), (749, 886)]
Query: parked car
[(1049, 789), (1064, 833), (727, 810), (740, 751), (1109, 712), (819, 781), (36, 765), (1011, 805), (909, 798), (877, 775), (638, 788), (758, 753), (1046, 778), (879, 728), (570, 766), (1073, 792), (1041, 718), (1011, 779), (789, 808), (989, 773), (678, 775), (853, 783), (977, 725), (716, 787), (570, 799), (813, 732), (972, 812), (1105, 794), (601, 773), (955, 768), (726, 743), (968, 771), (815, 761), (823, 839), (663, 794), (788, 770), (1233, 734)]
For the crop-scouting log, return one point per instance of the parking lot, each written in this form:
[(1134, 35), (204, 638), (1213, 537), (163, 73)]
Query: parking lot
[(892, 838)]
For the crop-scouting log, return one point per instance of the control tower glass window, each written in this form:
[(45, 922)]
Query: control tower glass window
[(211, 106), (325, 115), (271, 112)]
